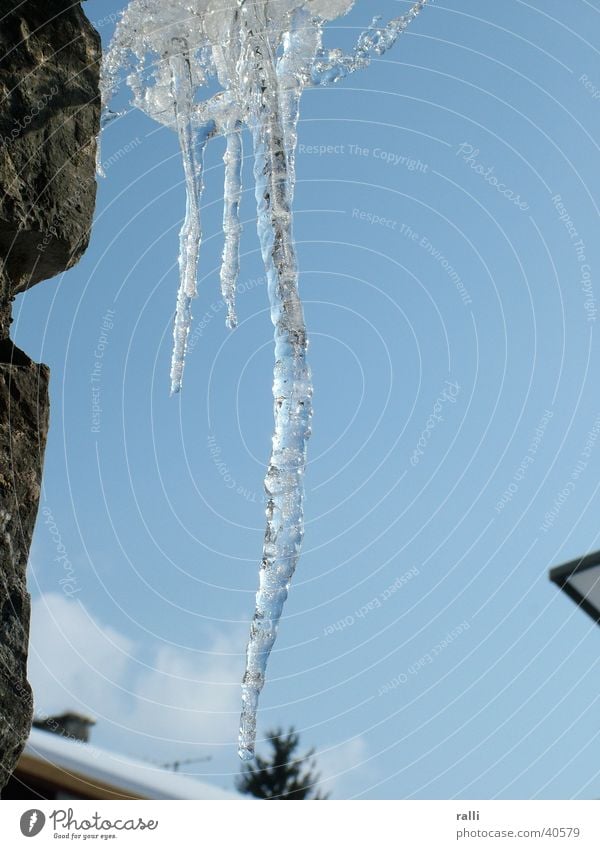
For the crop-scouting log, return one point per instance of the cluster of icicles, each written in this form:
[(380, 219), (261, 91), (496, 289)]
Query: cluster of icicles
[(255, 57)]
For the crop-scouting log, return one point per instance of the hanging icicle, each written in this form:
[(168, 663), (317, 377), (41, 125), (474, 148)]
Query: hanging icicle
[(263, 55)]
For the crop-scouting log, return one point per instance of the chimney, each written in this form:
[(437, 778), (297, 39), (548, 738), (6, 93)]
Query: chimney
[(72, 725)]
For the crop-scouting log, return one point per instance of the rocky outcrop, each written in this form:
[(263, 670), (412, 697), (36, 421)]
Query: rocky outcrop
[(49, 120), (23, 428)]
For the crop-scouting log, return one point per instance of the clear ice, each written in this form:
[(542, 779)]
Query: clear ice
[(259, 55)]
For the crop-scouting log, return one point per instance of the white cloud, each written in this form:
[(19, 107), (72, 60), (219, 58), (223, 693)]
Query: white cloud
[(344, 768), (158, 701), (72, 664), (162, 707), (191, 697)]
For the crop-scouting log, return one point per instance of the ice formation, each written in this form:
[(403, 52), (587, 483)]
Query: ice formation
[(256, 57)]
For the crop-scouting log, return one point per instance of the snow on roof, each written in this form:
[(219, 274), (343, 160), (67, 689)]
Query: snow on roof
[(136, 777)]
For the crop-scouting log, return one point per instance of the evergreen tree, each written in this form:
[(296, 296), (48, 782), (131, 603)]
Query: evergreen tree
[(285, 775)]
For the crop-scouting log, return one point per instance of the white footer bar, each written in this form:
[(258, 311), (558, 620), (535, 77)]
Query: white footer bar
[(312, 825)]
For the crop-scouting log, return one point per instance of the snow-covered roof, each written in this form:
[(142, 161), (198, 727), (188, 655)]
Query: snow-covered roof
[(91, 766)]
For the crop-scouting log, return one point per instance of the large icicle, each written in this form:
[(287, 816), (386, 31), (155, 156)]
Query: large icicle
[(263, 54), (292, 387)]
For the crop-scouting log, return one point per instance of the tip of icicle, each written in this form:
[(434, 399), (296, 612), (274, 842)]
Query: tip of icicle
[(245, 753), (175, 389)]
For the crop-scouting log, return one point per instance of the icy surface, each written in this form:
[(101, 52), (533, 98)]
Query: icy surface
[(232, 228), (259, 55)]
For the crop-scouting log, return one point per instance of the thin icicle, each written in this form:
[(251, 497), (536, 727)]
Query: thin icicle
[(232, 228), (190, 235)]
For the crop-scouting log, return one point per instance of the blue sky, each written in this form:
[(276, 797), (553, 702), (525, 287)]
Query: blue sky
[(423, 650)]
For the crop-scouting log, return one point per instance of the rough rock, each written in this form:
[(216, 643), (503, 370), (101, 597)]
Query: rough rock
[(49, 120), (23, 427)]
